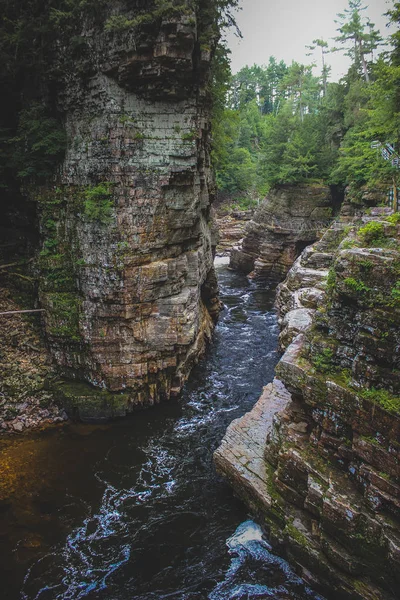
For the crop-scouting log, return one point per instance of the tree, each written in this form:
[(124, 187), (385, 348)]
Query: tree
[(320, 43), (302, 88), (272, 92), (357, 35)]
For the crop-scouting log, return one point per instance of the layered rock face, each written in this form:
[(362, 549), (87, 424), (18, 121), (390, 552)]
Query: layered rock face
[(231, 229), (303, 290), (328, 487), (127, 262), (289, 219)]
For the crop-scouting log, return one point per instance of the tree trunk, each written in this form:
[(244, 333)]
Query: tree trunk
[(364, 64)]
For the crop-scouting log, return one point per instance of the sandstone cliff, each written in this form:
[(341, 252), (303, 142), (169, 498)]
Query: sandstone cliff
[(318, 457), (126, 264), (289, 219)]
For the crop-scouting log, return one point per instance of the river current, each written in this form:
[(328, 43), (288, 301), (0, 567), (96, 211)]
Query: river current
[(134, 510)]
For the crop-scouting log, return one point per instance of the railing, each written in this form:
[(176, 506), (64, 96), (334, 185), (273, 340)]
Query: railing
[(389, 153), (394, 198)]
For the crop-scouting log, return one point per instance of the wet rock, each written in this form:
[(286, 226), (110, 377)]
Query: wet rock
[(241, 454), (332, 452)]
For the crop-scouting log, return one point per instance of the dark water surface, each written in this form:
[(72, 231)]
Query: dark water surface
[(134, 510)]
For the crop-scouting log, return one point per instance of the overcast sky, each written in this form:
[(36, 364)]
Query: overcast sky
[(282, 28)]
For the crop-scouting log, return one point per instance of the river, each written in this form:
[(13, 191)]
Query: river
[(134, 510)]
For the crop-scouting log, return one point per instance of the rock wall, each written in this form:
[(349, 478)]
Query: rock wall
[(231, 228), (328, 487), (303, 290), (127, 275), (289, 219)]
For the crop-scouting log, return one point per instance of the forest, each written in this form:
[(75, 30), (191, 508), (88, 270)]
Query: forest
[(289, 124)]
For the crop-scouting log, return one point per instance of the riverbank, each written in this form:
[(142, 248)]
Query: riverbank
[(26, 403), (322, 471), (135, 505)]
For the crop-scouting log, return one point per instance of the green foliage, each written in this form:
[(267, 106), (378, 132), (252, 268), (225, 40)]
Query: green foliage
[(366, 265), (331, 279), (277, 129), (239, 173), (65, 316), (347, 244), (161, 9), (244, 203), (395, 294), (32, 137), (98, 203), (190, 136), (323, 361), (39, 143), (384, 398), (373, 233), (357, 35), (296, 127), (356, 285), (394, 219)]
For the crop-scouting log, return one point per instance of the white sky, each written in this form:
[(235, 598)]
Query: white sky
[(282, 28)]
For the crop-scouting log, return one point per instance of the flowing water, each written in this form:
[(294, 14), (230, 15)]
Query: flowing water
[(134, 510)]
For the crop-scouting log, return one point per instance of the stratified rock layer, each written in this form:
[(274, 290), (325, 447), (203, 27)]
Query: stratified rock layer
[(127, 264), (289, 219), (231, 228), (303, 290), (329, 489)]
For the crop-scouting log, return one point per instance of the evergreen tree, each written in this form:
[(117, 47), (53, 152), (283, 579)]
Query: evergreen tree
[(357, 35), (324, 46)]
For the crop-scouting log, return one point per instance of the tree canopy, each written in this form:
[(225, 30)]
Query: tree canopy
[(284, 124)]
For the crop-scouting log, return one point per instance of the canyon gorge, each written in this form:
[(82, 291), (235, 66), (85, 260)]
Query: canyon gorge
[(122, 287)]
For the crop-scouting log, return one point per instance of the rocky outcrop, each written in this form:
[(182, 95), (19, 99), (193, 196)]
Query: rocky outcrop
[(303, 290), (290, 218), (231, 229), (329, 490), (240, 457), (127, 275)]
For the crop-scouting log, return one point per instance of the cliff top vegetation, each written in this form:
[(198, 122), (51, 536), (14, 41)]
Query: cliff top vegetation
[(285, 124)]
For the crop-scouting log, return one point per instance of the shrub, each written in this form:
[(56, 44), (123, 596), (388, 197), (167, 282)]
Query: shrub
[(395, 294), (323, 361), (394, 219), (190, 136), (331, 279), (245, 203), (98, 203), (347, 244), (384, 398), (372, 233), (356, 285)]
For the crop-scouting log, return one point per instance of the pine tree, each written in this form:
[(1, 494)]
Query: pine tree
[(320, 43), (358, 35)]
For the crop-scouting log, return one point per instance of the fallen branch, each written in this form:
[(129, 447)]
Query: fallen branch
[(30, 347), (18, 312), (22, 276), (14, 264)]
